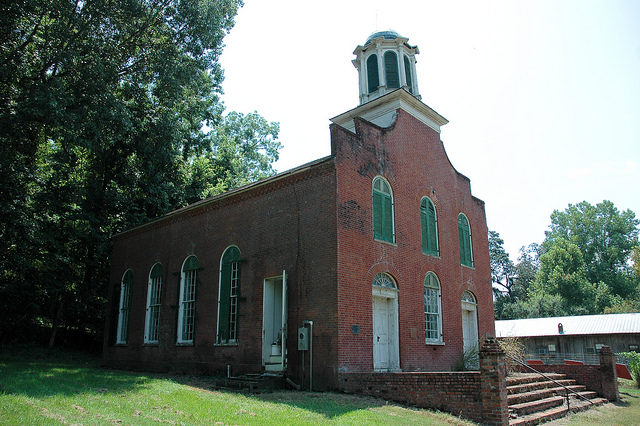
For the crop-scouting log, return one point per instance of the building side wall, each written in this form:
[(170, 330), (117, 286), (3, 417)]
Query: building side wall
[(585, 345), (287, 224), (411, 157)]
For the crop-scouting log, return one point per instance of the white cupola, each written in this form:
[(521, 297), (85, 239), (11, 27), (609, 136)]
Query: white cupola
[(385, 63)]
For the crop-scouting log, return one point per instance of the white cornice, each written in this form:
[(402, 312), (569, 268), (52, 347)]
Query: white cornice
[(381, 111)]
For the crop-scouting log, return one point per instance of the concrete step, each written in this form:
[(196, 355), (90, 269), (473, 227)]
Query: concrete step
[(253, 383)]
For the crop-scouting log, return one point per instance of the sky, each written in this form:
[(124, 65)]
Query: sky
[(542, 97)]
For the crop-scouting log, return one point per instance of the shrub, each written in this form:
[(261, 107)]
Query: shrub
[(633, 360), (514, 350)]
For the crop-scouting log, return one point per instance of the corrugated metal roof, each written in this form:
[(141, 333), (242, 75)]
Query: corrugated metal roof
[(575, 325)]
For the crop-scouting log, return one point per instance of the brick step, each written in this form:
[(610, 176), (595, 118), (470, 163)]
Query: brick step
[(536, 405), (518, 398), (521, 378), (542, 384), (253, 383), (555, 412)]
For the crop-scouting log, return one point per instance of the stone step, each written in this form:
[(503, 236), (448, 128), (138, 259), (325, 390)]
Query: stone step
[(543, 384), (253, 383), (518, 398)]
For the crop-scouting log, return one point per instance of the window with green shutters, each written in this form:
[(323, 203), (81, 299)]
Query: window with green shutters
[(464, 236), (429, 227), (228, 296), (153, 304), (391, 70), (187, 303), (432, 309), (125, 307), (373, 80), (407, 74), (382, 210)]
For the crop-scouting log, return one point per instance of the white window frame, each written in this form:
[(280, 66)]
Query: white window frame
[(438, 295), (233, 300), (187, 277), (124, 309), (154, 300)]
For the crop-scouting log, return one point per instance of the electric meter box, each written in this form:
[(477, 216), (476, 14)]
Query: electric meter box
[(303, 339)]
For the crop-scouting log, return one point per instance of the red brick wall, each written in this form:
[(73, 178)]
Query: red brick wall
[(456, 393), (411, 157), (286, 224)]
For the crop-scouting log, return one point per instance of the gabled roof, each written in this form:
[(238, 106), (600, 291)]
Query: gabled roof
[(574, 325)]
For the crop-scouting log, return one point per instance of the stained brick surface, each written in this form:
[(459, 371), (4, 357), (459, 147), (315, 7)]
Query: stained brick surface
[(317, 225)]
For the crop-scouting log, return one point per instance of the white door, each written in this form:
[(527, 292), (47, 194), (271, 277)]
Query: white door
[(274, 320), (470, 329), (380, 333)]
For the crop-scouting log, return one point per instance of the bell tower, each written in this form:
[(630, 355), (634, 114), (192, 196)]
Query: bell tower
[(385, 63)]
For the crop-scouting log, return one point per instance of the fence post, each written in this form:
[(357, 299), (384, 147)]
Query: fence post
[(608, 374), (493, 383)]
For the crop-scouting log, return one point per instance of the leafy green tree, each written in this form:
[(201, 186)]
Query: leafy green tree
[(502, 268), (605, 236), (109, 115)]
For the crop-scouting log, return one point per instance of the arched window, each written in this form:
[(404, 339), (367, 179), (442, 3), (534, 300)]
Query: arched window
[(429, 227), (187, 309), (228, 296), (125, 307), (373, 80), (407, 74), (383, 280), (153, 304), (432, 309), (464, 237), (391, 70), (382, 210)]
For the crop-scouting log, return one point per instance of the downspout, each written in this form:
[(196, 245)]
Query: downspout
[(310, 324)]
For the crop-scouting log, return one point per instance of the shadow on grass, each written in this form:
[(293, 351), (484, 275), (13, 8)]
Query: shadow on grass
[(45, 372), (327, 404)]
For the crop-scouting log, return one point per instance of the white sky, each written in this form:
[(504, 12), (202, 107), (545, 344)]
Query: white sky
[(542, 97)]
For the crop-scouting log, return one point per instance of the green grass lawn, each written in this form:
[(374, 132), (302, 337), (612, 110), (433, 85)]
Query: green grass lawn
[(53, 387)]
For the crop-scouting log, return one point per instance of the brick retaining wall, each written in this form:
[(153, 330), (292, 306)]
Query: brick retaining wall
[(454, 392)]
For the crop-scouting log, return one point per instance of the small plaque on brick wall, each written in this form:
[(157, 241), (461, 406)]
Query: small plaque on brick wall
[(355, 329)]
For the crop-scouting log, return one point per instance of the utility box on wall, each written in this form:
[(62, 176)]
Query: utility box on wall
[(303, 339)]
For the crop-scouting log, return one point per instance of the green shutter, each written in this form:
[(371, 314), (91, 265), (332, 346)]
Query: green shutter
[(391, 70), (191, 264), (387, 215), (156, 272), (377, 215), (464, 236), (372, 73), (424, 231)]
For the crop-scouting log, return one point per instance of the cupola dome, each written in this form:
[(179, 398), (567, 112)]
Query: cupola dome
[(385, 63)]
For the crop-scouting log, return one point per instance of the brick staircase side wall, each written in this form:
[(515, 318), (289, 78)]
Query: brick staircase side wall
[(600, 378), (458, 393)]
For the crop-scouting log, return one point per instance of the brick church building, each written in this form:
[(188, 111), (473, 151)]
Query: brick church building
[(377, 255)]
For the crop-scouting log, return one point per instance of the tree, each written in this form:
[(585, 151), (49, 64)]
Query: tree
[(109, 115), (502, 268), (605, 237)]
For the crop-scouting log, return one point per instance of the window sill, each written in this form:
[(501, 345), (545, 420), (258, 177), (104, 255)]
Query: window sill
[(434, 255), (231, 344), (394, 244), (467, 266), (121, 344), (184, 344), (434, 343), (152, 344)]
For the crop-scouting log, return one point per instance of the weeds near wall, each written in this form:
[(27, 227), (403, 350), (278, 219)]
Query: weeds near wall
[(514, 349), (633, 360)]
